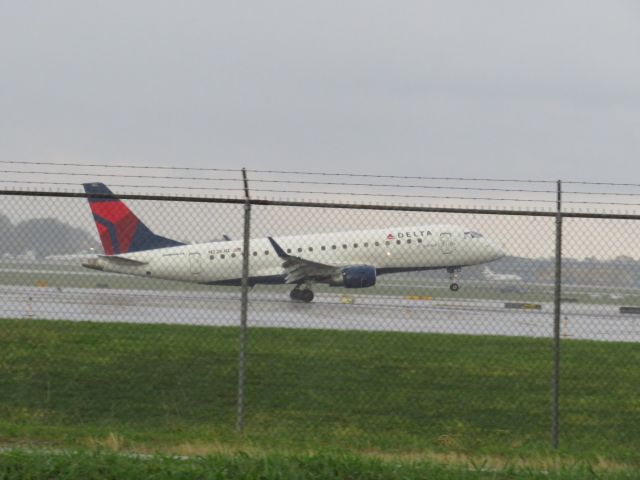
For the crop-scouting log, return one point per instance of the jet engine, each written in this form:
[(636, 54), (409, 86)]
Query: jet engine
[(357, 276)]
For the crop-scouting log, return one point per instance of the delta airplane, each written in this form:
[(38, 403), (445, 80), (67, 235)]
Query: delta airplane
[(350, 259)]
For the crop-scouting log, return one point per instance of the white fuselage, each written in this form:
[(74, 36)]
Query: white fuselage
[(389, 250)]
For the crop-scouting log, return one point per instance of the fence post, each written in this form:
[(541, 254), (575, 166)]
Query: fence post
[(244, 300), (555, 388)]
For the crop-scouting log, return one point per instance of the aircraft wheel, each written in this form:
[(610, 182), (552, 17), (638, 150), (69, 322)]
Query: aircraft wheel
[(299, 295), (307, 296), (454, 287)]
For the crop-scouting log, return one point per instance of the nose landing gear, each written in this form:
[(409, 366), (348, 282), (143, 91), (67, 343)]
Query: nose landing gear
[(453, 278)]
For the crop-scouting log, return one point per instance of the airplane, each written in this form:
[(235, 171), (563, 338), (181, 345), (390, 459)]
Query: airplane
[(350, 259), (501, 277)]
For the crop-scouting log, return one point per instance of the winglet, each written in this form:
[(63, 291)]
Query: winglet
[(278, 248)]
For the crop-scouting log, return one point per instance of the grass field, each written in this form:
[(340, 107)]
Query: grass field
[(415, 397), (19, 465)]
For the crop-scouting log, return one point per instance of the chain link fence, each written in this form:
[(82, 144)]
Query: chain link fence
[(160, 349)]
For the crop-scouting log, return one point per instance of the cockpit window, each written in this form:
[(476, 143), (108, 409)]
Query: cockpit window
[(472, 235)]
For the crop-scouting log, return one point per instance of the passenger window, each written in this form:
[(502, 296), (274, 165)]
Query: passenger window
[(255, 254), (233, 255), (398, 242), (288, 250), (419, 240), (323, 248), (333, 247), (344, 245), (222, 256), (366, 244), (299, 249), (387, 243), (311, 249), (211, 257), (408, 240), (377, 244), (355, 245), (266, 252)]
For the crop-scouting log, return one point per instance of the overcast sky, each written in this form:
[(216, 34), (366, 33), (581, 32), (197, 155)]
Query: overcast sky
[(507, 89)]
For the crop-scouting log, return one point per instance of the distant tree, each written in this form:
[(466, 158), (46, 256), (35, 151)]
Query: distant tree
[(7, 241), (624, 259), (49, 236)]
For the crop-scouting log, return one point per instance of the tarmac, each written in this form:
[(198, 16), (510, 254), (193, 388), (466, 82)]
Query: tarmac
[(342, 310)]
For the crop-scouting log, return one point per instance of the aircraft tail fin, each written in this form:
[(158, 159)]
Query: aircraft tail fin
[(119, 229)]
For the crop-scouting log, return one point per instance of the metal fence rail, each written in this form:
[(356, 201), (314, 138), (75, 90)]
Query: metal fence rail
[(407, 355)]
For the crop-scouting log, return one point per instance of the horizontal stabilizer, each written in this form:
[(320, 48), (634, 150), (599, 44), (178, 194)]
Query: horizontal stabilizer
[(123, 261)]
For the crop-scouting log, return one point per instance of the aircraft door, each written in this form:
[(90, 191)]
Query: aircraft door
[(446, 243), (195, 265)]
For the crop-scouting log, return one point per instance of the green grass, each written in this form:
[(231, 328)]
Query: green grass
[(413, 396), (20, 465)]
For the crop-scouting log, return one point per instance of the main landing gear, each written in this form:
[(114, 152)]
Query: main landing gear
[(453, 278), (302, 293)]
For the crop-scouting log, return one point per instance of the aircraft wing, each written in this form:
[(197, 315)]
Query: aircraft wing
[(298, 269)]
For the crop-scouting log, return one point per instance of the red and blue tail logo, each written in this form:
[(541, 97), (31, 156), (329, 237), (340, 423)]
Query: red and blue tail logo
[(119, 229)]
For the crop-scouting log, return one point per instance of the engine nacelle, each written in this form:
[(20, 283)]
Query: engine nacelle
[(357, 276)]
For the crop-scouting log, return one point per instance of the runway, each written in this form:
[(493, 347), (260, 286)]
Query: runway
[(328, 311)]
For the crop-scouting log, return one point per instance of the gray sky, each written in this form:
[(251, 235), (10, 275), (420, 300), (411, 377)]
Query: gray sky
[(527, 89)]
